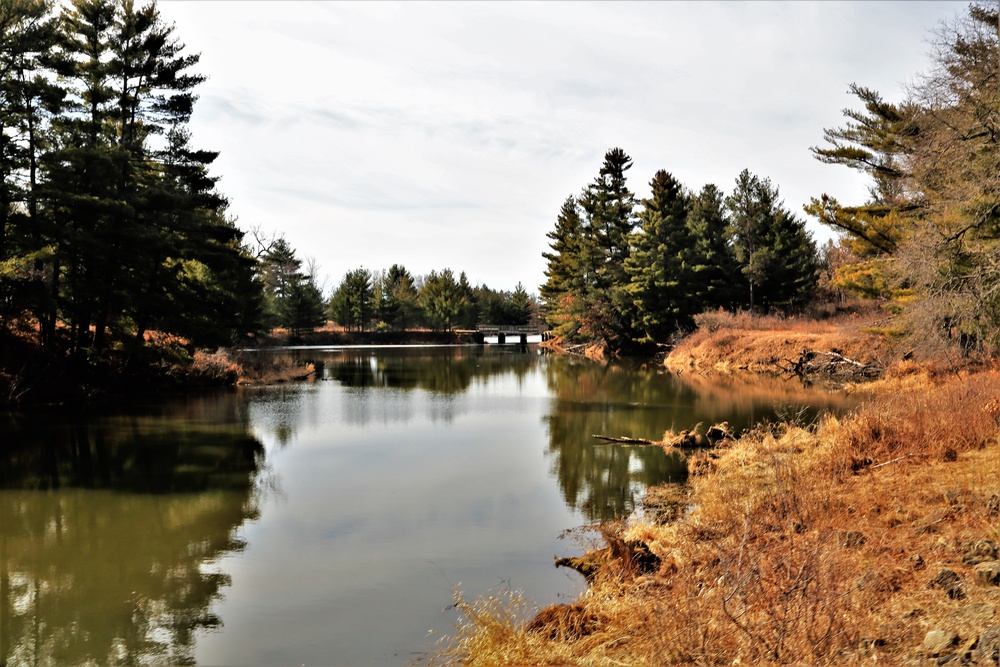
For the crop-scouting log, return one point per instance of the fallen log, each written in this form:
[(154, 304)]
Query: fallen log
[(686, 439), (628, 441)]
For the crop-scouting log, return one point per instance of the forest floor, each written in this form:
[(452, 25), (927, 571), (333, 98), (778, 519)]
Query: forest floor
[(870, 538)]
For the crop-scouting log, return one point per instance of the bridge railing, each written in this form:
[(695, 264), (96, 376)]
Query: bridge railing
[(509, 328)]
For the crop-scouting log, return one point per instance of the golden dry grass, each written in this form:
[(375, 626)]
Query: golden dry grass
[(736, 342), (794, 546)]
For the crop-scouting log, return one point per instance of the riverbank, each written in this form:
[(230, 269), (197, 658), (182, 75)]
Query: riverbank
[(869, 538), (31, 375), (739, 343)]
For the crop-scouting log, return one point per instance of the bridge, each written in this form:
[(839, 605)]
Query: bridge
[(509, 333)]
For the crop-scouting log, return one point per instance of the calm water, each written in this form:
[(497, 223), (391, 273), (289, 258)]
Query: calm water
[(328, 523)]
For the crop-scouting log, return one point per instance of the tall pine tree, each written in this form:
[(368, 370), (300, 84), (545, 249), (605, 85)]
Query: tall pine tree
[(661, 262), (565, 284), (714, 274), (605, 309)]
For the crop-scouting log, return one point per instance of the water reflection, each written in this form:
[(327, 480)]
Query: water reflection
[(405, 470), (108, 527), (604, 481), (599, 480), (440, 370), (386, 382)]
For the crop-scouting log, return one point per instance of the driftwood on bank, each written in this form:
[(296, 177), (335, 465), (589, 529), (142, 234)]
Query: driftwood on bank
[(830, 364)]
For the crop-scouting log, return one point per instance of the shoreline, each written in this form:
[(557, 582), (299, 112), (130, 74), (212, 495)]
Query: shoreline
[(873, 537)]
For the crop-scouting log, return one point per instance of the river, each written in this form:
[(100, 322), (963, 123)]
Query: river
[(330, 522)]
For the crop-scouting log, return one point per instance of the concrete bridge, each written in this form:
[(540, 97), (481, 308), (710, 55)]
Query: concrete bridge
[(509, 333)]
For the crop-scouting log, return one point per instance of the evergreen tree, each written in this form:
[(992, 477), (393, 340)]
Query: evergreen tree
[(565, 284), (468, 317), (442, 299), (775, 253), (928, 237), (131, 224), (396, 299), (304, 308), (795, 268), (606, 310), (714, 274), (520, 306), (660, 266), (28, 98), (353, 303), (280, 268)]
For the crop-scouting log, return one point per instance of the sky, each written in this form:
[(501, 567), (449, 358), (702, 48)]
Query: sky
[(448, 134)]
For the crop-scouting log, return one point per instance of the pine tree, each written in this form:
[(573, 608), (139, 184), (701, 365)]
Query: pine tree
[(280, 268), (442, 299), (468, 317), (353, 303), (565, 282), (714, 274), (775, 253), (605, 309), (795, 268), (29, 97), (520, 305), (396, 298), (136, 220), (660, 265), (304, 309), (928, 236)]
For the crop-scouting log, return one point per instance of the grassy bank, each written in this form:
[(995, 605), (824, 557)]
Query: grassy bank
[(743, 342), (869, 539)]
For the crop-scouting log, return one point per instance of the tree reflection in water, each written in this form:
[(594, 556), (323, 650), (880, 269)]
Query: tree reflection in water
[(599, 480), (605, 481), (108, 527)]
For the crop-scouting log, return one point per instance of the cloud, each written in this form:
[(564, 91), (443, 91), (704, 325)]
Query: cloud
[(450, 133)]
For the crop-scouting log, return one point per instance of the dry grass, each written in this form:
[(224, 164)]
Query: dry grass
[(729, 342), (267, 368), (228, 367), (794, 546)]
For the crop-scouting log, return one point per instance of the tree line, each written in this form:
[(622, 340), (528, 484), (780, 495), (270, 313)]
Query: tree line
[(111, 224), (624, 271), (389, 300)]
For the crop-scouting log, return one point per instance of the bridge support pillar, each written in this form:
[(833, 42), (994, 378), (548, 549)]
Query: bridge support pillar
[(501, 338)]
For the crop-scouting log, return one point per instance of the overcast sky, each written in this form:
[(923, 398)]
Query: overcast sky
[(447, 134)]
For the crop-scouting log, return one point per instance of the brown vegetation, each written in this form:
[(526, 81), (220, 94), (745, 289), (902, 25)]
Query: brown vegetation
[(729, 342), (848, 542)]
